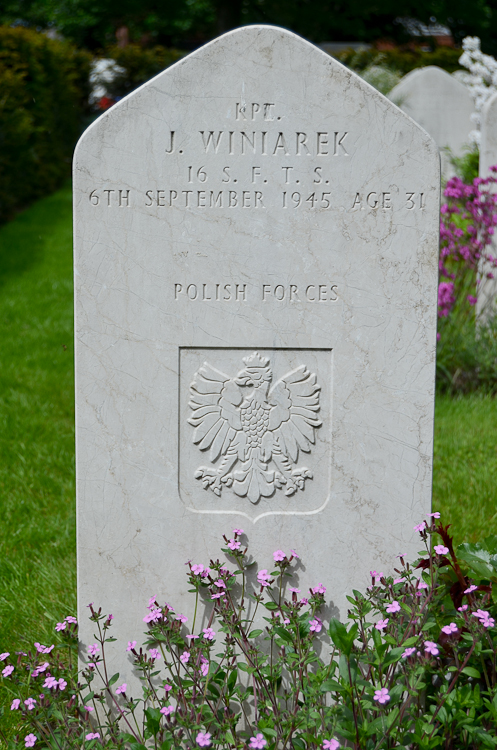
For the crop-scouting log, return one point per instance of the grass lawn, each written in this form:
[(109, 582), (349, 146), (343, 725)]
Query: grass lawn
[(37, 529)]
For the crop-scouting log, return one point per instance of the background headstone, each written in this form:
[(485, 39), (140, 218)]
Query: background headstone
[(441, 104), (255, 197), (487, 289)]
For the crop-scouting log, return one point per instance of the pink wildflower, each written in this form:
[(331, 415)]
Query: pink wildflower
[(381, 624), (185, 657), (15, 704), (470, 589), (315, 625), (463, 608), (440, 549), (4, 655), (257, 742), (93, 649), (72, 620), (93, 736), (434, 515), (131, 645), (263, 577), (420, 527), (209, 634), (408, 652), (181, 618), (450, 629), (431, 648), (237, 532), (234, 545), (203, 739), (382, 695), (61, 626), (330, 745), (279, 555), (154, 653), (197, 569), (30, 703), (294, 554), (121, 688), (30, 740), (319, 589), (393, 607), (7, 671), (167, 710), (62, 684)]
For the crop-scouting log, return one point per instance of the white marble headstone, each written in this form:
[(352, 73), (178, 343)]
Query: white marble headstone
[(256, 244), (441, 104), (487, 288)]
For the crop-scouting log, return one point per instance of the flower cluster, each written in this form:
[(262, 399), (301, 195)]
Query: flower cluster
[(481, 79), (255, 662), (467, 225)]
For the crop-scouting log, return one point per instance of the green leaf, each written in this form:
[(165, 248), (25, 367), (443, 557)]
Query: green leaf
[(114, 679), (283, 634), (153, 720), (471, 672), (330, 686), (255, 633), (271, 605), (232, 680)]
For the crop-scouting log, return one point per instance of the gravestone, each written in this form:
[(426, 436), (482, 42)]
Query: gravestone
[(256, 263), (441, 104), (487, 288)]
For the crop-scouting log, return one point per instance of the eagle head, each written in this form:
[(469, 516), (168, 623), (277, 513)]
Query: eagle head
[(256, 372)]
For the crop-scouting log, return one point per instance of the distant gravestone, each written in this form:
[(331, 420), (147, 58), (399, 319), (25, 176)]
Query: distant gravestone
[(256, 263), (441, 104), (487, 289)]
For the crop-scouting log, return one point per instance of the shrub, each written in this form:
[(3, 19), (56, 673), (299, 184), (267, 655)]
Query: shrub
[(381, 77), (414, 666), (44, 90), (401, 60), (129, 67), (466, 356)]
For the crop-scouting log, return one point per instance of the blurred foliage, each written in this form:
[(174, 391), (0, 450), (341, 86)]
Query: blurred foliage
[(188, 23), (44, 91), (139, 65), (467, 353), (401, 60), (381, 77), (467, 166)]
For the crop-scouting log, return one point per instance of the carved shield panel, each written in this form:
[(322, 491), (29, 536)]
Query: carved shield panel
[(255, 430)]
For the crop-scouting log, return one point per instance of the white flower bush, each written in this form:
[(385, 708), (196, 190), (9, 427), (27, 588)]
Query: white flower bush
[(481, 79), (103, 73)]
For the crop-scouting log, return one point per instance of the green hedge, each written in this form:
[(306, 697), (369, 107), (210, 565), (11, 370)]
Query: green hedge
[(401, 60), (43, 94), (139, 64)]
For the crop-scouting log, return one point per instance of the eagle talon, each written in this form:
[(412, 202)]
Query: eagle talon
[(300, 475), (210, 479), (227, 479)]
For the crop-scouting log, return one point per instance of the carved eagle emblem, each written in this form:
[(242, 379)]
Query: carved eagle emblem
[(254, 431)]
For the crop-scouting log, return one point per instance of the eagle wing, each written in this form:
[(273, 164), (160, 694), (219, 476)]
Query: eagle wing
[(293, 417), (214, 399)]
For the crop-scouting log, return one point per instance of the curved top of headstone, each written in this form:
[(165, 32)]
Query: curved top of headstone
[(488, 145), (294, 72), (438, 102)]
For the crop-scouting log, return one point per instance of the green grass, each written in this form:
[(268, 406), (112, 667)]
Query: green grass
[(37, 528), (465, 465), (37, 520)]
